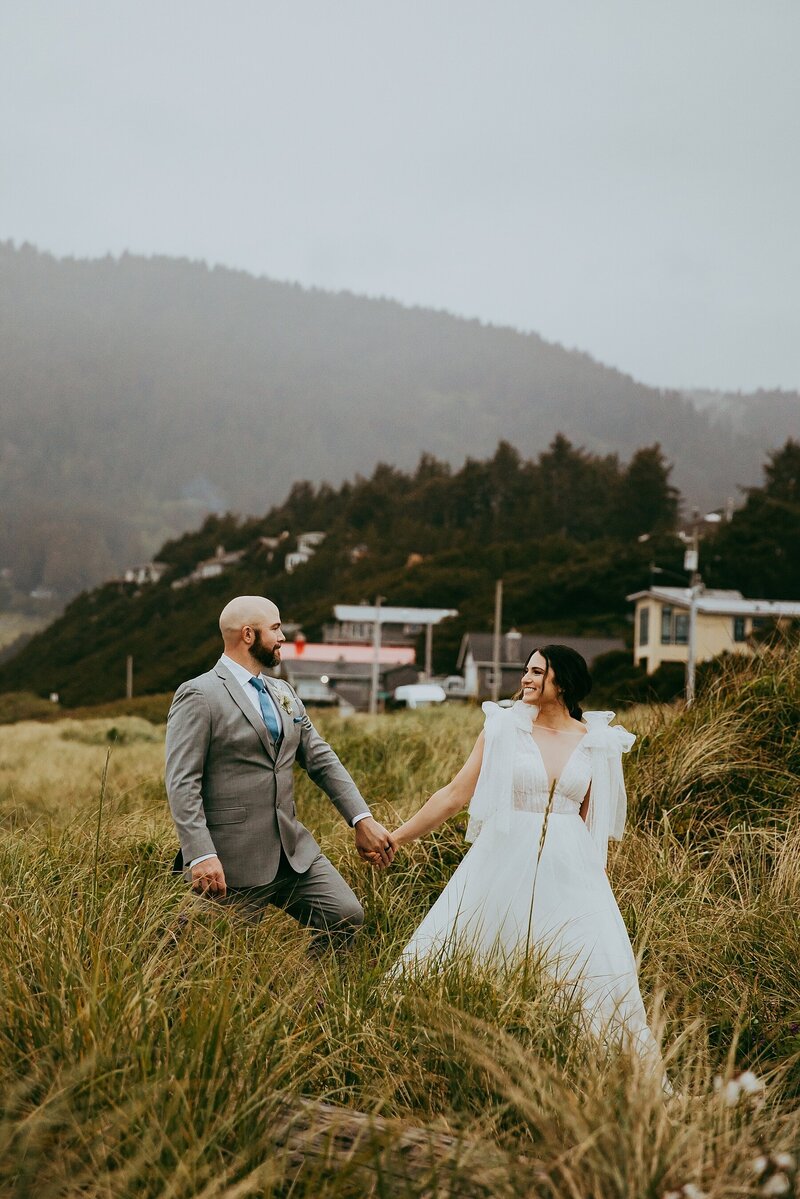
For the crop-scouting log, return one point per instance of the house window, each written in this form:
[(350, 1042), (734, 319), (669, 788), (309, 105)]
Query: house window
[(357, 632), (644, 626), (739, 632), (674, 627)]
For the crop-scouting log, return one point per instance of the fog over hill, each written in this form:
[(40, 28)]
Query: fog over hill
[(137, 394)]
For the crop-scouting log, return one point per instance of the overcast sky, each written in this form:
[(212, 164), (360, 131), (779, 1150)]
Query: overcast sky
[(620, 176)]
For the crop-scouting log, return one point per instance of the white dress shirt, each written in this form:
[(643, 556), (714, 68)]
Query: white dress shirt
[(243, 677)]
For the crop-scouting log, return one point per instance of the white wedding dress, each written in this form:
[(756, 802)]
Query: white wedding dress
[(516, 891)]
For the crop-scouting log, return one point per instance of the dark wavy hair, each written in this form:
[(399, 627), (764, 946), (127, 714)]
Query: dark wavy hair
[(570, 675)]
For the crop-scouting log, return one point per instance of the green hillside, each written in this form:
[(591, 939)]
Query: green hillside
[(562, 531), (570, 533)]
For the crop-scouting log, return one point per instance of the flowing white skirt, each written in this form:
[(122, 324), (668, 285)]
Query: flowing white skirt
[(492, 909)]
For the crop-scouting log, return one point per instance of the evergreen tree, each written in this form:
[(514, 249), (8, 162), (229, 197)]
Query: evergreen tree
[(646, 502), (757, 552)]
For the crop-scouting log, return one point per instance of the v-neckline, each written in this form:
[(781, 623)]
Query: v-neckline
[(567, 761)]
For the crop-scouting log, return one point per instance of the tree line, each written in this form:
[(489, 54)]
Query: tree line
[(571, 533)]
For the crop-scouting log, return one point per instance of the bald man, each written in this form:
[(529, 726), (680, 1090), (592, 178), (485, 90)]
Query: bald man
[(233, 736)]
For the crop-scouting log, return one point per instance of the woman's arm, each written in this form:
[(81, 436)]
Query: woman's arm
[(446, 801)]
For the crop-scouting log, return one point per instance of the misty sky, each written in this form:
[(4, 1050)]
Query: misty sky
[(619, 175)]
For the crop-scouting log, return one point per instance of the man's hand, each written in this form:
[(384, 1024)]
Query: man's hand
[(374, 843), (208, 878)]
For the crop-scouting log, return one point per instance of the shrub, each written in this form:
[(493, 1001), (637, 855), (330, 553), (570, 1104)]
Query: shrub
[(24, 705)]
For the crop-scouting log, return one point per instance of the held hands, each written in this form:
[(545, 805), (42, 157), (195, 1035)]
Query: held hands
[(208, 878), (374, 844)]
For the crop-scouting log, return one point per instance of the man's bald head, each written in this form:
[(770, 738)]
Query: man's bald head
[(246, 610), (251, 629)]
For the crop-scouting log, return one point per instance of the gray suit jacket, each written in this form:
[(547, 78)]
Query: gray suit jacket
[(231, 793)]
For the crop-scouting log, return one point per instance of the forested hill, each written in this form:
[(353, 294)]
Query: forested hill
[(561, 530), (138, 394), (571, 534)]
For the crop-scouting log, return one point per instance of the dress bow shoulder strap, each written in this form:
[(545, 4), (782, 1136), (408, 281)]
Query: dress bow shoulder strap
[(493, 797), (607, 800)]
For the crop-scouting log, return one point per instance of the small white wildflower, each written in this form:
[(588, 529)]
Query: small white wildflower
[(784, 1161), (690, 1191), (759, 1164), (746, 1083), (729, 1090), (778, 1184), (750, 1083)]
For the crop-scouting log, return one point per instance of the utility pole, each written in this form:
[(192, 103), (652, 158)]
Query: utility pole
[(691, 562), (498, 626), (376, 657), (428, 651), (129, 677)]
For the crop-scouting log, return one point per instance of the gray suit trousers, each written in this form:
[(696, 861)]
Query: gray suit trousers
[(319, 899)]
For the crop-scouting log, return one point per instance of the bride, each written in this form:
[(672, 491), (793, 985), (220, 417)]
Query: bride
[(545, 790)]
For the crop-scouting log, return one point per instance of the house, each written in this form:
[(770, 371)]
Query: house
[(308, 542), (294, 559), (476, 653), (355, 624), (211, 568), (149, 572), (726, 622), (323, 673), (268, 545), (307, 545)]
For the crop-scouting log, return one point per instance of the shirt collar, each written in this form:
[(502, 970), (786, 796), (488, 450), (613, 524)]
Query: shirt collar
[(239, 672)]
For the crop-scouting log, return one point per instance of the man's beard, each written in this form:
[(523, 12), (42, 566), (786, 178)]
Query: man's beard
[(259, 651)]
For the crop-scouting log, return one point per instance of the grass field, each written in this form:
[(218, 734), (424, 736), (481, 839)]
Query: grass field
[(151, 1046)]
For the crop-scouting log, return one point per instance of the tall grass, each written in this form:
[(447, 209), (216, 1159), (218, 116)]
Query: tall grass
[(150, 1045)]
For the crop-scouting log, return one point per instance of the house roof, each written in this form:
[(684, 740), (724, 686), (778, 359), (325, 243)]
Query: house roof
[(719, 603), (227, 558), (388, 655), (388, 615), (481, 645), (344, 670)]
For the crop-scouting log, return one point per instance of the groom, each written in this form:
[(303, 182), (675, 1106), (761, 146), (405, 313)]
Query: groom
[(233, 735)]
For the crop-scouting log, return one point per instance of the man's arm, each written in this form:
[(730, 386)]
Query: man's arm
[(373, 841), (188, 738)]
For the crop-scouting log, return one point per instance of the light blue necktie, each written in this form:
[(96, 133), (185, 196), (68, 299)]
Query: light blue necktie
[(267, 710)]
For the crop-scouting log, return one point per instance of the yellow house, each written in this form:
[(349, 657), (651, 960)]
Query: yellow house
[(725, 622)]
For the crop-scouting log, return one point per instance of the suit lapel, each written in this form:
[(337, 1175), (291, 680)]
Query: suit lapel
[(234, 689), (285, 719)]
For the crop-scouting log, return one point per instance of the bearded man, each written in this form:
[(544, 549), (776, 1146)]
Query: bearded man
[(233, 736)]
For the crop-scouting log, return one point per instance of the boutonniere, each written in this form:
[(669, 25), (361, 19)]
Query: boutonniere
[(286, 703)]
